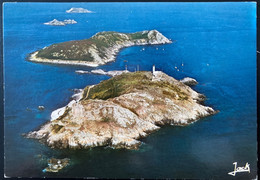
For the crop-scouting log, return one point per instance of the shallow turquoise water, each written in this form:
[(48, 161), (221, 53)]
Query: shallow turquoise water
[(216, 42)]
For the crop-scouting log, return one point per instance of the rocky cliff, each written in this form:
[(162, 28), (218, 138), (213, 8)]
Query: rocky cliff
[(119, 111), (97, 50)]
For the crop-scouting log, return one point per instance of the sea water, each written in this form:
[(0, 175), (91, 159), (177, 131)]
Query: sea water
[(215, 43)]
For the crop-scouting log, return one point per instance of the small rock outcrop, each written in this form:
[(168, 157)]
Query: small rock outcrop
[(55, 165), (55, 22), (41, 108), (119, 111), (189, 81), (97, 50)]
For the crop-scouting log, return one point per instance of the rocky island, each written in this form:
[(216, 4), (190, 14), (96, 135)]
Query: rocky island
[(97, 50), (119, 111), (56, 22), (78, 10)]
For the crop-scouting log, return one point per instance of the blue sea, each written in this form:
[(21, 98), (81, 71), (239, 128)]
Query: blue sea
[(215, 42)]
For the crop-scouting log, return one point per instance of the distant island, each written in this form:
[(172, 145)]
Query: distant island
[(56, 22), (78, 10), (97, 50), (119, 111)]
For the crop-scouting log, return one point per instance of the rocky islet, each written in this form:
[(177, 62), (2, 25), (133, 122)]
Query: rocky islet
[(121, 110)]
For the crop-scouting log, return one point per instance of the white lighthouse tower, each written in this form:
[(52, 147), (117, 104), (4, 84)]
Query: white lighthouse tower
[(153, 69)]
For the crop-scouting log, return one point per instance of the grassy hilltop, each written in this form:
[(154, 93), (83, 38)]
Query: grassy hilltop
[(130, 82)]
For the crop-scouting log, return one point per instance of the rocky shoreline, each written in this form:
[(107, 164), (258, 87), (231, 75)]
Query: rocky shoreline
[(33, 57), (144, 101), (98, 50), (102, 72)]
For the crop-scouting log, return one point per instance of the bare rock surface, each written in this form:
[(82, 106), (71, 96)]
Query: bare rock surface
[(189, 81)]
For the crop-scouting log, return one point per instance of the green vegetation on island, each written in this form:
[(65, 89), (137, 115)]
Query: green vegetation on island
[(129, 82)]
